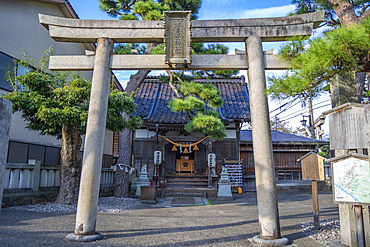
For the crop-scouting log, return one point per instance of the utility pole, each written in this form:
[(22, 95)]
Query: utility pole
[(312, 123)]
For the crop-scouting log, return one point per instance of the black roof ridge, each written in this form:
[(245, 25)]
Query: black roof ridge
[(234, 80)]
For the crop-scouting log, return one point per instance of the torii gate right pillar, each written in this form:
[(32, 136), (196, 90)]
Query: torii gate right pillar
[(268, 212)]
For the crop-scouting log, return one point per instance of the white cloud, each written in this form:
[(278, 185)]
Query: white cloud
[(268, 12), (227, 13)]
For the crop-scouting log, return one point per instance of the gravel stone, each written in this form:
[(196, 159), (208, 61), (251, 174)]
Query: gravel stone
[(105, 205), (329, 231)]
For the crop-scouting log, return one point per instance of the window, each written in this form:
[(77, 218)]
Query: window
[(6, 62), (22, 70)]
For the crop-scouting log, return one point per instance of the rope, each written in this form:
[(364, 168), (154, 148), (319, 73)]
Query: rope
[(185, 146)]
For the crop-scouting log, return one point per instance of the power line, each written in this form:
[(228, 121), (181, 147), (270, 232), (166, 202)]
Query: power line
[(288, 107), (284, 105), (303, 109), (306, 111)]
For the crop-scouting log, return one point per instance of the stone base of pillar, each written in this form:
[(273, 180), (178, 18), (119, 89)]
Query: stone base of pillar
[(84, 238), (270, 242)]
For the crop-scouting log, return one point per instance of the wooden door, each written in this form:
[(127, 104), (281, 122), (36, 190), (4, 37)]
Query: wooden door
[(200, 159), (169, 159)]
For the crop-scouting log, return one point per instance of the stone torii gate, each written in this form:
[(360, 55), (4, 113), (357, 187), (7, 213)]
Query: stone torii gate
[(177, 32)]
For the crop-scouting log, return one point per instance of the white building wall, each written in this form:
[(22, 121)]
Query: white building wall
[(21, 31)]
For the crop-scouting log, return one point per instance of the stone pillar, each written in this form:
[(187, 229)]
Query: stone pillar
[(5, 119), (94, 143), (268, 214)]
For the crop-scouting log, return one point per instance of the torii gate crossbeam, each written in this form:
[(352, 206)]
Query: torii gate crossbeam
[(177, 34)]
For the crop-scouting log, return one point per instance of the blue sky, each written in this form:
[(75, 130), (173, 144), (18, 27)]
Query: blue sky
[(224, 9)]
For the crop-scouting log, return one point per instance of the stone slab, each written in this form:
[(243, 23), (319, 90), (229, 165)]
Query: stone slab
[(183, 200), (269, 29), (156, 62)]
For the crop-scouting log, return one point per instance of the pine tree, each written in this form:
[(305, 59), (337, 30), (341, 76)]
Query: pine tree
[(339, 51)]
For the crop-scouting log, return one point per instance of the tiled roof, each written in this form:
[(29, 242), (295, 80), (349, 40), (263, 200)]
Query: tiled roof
[(153, 97), (277, 136)]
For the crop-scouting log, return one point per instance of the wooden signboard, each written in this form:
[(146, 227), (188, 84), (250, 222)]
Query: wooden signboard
[(347, 122), (312, 167)]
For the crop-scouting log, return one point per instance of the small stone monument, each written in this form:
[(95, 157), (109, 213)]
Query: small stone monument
[(142, 181), (224, 187)]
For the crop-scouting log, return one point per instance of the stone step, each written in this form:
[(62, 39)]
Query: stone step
[(187, 180), (187, 185), (201, 194)]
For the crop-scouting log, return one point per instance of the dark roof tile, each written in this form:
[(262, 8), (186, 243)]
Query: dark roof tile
[(233, 91)]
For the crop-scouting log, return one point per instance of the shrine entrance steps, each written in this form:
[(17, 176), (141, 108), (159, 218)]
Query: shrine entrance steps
[(187, 185)]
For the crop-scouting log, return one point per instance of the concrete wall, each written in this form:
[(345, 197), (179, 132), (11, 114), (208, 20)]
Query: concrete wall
[(20, 30)]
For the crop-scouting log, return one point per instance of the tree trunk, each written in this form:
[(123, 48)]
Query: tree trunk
[(70, 168), (121, 178), (345, 11)]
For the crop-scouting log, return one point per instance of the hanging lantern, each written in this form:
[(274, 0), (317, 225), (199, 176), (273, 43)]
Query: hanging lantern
[(186, 151), (195, 147), (174, 148)]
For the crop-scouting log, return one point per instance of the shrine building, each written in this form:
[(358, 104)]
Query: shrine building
[(191, 160)]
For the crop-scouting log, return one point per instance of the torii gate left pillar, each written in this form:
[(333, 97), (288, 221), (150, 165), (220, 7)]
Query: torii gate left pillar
[(94, 144), (250, 31)]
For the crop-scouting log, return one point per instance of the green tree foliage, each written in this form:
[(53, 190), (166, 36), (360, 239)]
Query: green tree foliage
[(129, 49), (56, 104), (134, 10), (192, 5), (341, 50), (324, 151), (200, 102), (147, 9), (48, 100)]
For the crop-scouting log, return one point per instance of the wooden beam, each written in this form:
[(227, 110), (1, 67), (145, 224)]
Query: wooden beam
[(132, 31), (157, 62)]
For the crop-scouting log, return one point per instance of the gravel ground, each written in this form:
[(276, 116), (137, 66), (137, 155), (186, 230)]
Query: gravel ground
[(329, 231), (105, 205)]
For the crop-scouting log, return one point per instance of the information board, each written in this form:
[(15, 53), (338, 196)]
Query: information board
[(351, 181)]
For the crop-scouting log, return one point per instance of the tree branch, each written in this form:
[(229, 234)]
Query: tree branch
[(170, 73), (364, 15)]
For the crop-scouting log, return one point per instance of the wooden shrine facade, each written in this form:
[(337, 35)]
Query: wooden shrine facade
[(152, 99)]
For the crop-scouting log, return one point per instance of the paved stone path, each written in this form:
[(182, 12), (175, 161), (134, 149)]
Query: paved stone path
[(219, 224)]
